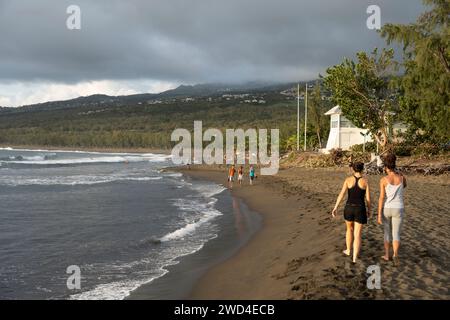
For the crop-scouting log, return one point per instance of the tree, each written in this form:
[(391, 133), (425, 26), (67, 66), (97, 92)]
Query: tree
[(426, 83), (317, 108), (364, 90)]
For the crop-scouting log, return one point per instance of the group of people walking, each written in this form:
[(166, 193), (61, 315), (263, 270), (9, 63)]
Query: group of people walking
[(240, 172), (357, 210)]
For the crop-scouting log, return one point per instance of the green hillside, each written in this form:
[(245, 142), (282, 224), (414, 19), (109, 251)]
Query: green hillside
[(147, 121)]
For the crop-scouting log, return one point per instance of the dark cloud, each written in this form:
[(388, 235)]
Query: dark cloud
[(187, 40)]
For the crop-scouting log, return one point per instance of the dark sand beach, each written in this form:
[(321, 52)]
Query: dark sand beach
[(297, 252)]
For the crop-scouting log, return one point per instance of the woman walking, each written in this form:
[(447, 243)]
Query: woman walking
[(231, 174), (391, 206), (355, 213), (240, 174), (252, 174)]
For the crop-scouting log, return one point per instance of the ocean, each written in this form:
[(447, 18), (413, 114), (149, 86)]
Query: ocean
[(118, 217)]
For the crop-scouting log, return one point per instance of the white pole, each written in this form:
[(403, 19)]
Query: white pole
[(364, 145), (306, 113), (298, 117)]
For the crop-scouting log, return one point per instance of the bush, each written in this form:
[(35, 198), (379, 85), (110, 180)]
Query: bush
[(426, 149), (422, 149), (402, 150), (322, 161), (370, 147), (337, 155)]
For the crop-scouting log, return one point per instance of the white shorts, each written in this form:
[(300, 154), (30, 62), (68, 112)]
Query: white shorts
[(231, 178), (240, 177)]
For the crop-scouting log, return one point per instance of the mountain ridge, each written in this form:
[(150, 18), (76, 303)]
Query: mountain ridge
[(197, 90)]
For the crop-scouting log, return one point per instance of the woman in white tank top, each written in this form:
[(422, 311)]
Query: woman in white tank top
[(391, 207)]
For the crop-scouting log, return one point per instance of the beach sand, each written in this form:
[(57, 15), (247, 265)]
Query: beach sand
[(297, 253)]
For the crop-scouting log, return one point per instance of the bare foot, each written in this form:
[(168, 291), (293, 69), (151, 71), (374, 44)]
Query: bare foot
[(346, 252), (385, 258)]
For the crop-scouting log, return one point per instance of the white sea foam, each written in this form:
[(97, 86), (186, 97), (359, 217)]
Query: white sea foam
[(204, 206), (173, 174), (85, 157), (32, 158), (81, 152), (117, 290), (15, 181), (207, 190), (202, 211), (38, 160)]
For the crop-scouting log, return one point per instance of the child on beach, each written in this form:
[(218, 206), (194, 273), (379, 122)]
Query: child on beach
[(391, 208), (355, 213), (252, 174), (231, 173), (240, 174)]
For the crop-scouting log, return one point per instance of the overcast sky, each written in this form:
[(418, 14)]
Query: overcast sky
[(135, 46)]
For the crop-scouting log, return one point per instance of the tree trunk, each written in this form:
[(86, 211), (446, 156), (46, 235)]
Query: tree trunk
[(318, 137), (383, 140)]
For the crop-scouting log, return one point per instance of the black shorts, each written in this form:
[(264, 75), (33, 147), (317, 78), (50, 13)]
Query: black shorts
[(355, 213)]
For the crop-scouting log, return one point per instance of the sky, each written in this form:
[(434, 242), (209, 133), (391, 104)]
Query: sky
[(137, 46)]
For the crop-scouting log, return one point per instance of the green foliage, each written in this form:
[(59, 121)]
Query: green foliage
[(141, 126), (365, 92), (370, 147), (422, 149), (316, 115), (426, 82)]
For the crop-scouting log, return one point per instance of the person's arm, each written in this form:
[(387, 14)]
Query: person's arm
[(381, 200), (369, 212), (339, 199)]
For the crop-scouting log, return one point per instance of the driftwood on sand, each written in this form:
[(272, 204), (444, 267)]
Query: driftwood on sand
[(426, 170)]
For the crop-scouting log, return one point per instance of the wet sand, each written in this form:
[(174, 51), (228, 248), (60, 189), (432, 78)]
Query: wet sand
[(297, 252)]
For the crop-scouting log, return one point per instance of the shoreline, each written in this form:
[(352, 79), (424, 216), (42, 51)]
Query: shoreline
[(245, 275), (88, 149), (296, 254), (237, 225)]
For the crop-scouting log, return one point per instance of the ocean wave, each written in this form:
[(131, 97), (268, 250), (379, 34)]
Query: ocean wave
[(198, 212), (172, 174), (206, 211), (117, 290), (207, 190), (48, 150), (79, 151), (39, 160), (203, 206), (15, 181)]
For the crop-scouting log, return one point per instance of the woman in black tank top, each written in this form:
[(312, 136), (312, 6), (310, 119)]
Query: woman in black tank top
[(355, 213)]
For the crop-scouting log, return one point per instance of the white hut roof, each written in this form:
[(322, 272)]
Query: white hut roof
[(335, 110)]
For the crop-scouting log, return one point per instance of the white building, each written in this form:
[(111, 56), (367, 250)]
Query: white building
[(343, 133)]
